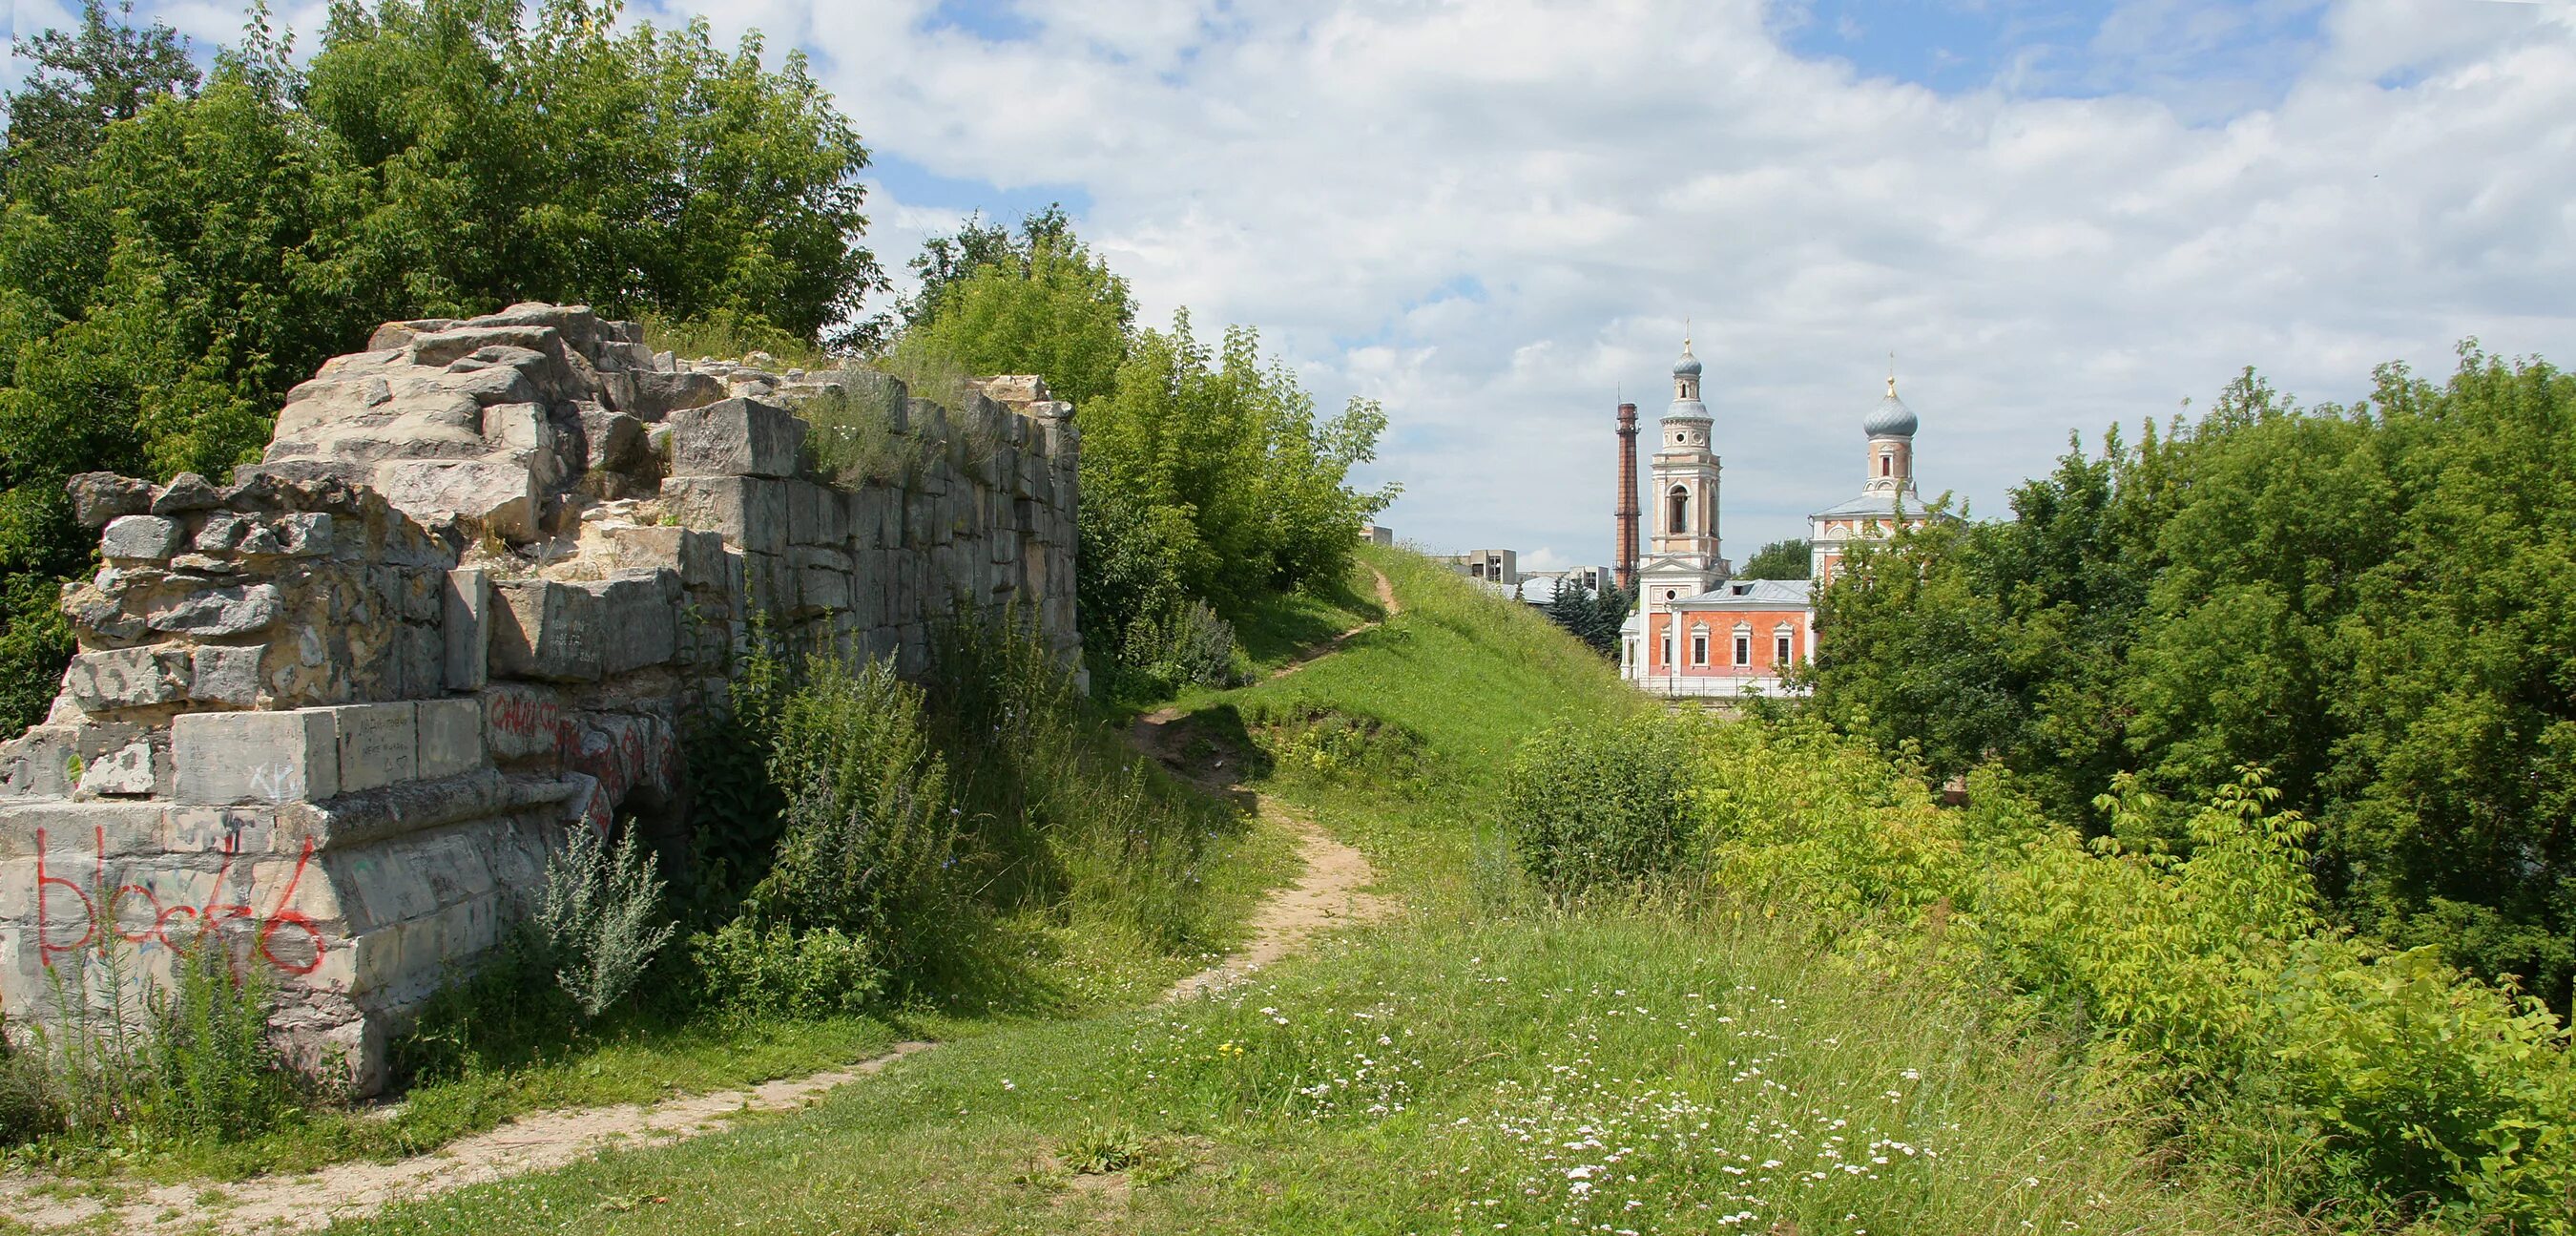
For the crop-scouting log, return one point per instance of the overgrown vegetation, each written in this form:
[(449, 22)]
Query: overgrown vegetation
[(1787, 559), (178, 249), (2322, 1071), (1489, 1061), (2371, 602), (1593, 615), (1208, 481)]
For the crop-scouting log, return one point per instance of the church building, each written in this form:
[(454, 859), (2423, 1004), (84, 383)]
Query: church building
[(1696, 630)]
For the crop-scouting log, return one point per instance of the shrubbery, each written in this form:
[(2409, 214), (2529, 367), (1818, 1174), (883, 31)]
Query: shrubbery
[(600, 917), (1602, 802), (126, 1057), (2325, 1067), (782, 973), (2371, 601)]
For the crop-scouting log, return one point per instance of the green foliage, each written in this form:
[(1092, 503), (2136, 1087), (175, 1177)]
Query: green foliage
[(1592, 616), (172, 260), (1182, 644), (1787, 559), (600, 916), (2371, 602), (870, 827), (1206, 475), (2319, 1066), (88, 79), (183, 1060), (1041, 303), (1601, 801), (851, 435), (785, 974)]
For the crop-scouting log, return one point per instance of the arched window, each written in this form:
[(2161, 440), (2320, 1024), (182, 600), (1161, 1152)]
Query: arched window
[(1677, 510), (1887, 465)]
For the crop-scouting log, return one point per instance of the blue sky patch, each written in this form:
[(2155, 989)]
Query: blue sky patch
[(915, 185)]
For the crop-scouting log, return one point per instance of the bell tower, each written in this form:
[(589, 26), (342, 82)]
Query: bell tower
[(1682, 504)]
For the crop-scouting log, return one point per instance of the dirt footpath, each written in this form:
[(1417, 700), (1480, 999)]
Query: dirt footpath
[(1327, 895)]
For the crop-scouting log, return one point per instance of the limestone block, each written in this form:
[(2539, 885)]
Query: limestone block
[(220, 613), (302, 534), (736, 437), (639, 613), (140, 538), (225, 758), (750, 512), (186, 492), (98, 497), (39, 763), (128, 677), (501, 497), (614, 441), (822, 589), (698, 556), (522, 722), (545, 630), (817, 515), (466, 621), (661, 393), (225, 675), (379, 744), (441, 348), (868, 587), (868, 510), (451, 737), (125, 772), (415, 661)]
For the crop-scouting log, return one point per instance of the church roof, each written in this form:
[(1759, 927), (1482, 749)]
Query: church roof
[(1872, 504), (1891, 418), (1751, 594)]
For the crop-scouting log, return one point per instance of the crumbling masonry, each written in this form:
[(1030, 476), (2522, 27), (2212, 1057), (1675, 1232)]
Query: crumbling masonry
[(340, 710)]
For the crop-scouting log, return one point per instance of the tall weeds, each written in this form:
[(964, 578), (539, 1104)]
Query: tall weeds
[(185, 1059)]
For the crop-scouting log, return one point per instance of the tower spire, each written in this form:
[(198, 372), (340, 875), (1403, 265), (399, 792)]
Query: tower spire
[(1891, 375)]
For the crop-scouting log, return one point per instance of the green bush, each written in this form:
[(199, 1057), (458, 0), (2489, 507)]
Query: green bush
[(2322, 1066), (189, 1058), (776, 972), (870, 826), (1595, 802), (600, 916)]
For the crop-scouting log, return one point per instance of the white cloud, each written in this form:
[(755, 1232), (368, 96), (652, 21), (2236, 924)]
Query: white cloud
[(1493, 215)]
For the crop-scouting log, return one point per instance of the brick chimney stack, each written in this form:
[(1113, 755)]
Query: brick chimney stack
[(1627, 514)]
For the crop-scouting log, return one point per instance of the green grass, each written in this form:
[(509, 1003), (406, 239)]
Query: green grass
[(1445, 1074), (1481, 1063), (1275, 631)]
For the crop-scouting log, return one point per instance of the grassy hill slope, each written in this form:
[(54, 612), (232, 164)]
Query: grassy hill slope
[(1483, 1063)]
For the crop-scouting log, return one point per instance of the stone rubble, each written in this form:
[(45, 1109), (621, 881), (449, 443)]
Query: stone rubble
[(340, 709)]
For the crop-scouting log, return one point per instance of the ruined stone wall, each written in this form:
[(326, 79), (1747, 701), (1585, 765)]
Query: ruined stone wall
[(340, 710)]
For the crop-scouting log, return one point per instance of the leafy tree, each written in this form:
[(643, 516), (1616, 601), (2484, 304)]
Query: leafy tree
[(947, 261), (1207, 475), (1043, 306), (2372, 602), (1778, 560), (173, 258), (88, 79)]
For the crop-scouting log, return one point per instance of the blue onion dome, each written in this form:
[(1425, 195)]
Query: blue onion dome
[(1891, 418), (1688, 365)]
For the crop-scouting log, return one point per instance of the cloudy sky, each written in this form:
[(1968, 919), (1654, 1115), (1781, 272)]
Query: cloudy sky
[(1495, 215)]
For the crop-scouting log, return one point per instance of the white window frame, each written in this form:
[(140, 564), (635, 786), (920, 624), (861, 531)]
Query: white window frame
[(1743, 646), (1699, 646)]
